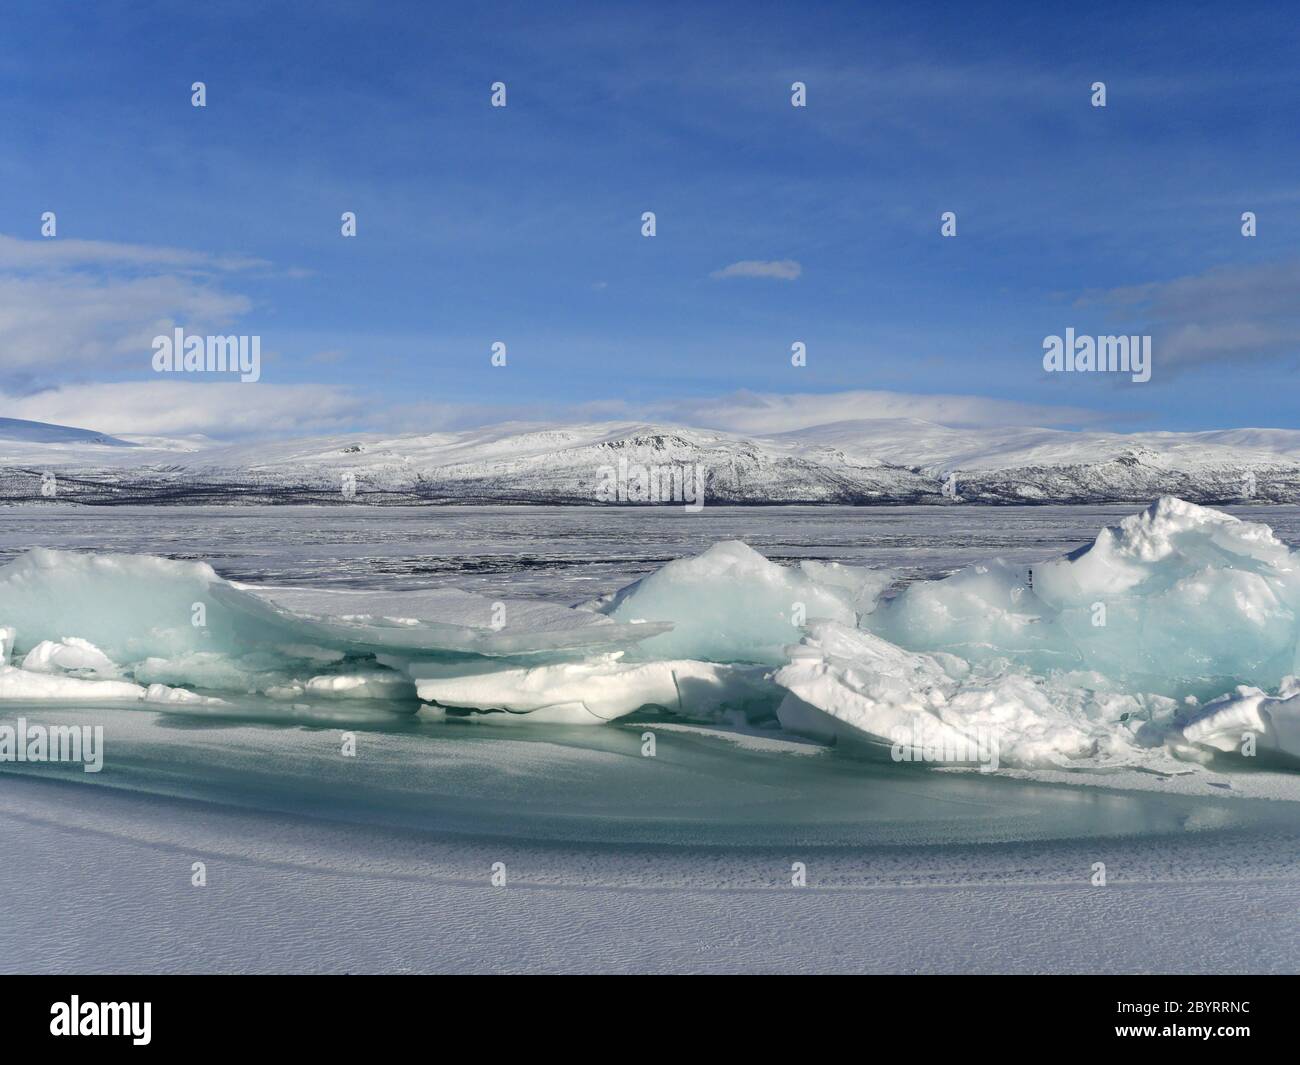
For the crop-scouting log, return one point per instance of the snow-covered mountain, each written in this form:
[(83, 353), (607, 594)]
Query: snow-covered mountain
[(854, 462), (17, 430)]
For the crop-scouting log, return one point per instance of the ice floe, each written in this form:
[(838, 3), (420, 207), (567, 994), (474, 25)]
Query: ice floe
[(1179, 599), (1253, 720), (730, 604), (1170, 638), (71, 655), (601, 690)]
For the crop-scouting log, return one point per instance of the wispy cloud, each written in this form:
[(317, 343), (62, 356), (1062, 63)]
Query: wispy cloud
[(230, 410), (1227, 314), (60, 252), (772, 269), (749, 412), (75, 306), (220, 409)]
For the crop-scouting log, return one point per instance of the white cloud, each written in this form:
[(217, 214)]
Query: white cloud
[(81, 305), (53, 325), (221, 409), (61, 252), (1225, 314), (773, 269), (748, 412), (228, 410)]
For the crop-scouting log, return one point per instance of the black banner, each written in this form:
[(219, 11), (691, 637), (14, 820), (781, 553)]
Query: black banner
[(1229, 1013)]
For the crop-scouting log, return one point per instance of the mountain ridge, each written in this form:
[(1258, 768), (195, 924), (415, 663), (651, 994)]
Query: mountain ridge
[(862, 462)]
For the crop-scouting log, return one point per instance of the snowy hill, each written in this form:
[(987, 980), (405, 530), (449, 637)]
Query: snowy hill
[(18, 430), (857, 462)]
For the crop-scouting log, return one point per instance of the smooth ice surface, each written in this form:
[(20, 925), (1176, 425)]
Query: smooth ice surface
[(616, 862)]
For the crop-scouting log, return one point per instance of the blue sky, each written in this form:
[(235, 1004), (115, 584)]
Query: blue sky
[(522, 224)]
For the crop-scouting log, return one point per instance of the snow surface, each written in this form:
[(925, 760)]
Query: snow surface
[(616, 862)]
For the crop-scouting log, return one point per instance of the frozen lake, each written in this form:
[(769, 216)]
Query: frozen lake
[(614, 861), (563, 553)]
